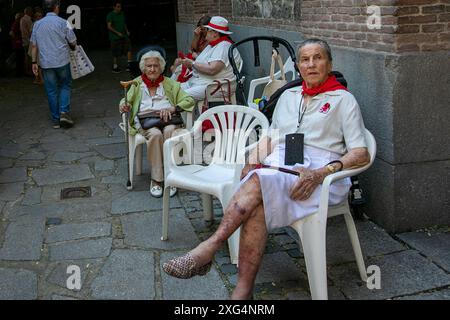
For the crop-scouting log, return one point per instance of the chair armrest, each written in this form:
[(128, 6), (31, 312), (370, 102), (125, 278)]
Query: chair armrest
[(169, 147), (324, 195), (187, 119)]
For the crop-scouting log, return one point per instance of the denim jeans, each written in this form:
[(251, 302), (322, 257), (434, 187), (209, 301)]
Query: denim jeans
[(58, 85)]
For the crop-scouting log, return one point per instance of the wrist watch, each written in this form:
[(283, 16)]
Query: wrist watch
[(331, 168)]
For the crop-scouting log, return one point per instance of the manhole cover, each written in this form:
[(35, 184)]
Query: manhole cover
[(73, 193), (54, 221)]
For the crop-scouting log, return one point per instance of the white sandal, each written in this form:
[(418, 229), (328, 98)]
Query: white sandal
[(155, 190), (173, 191)]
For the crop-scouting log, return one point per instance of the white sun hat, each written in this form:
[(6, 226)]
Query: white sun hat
[(219, 24)]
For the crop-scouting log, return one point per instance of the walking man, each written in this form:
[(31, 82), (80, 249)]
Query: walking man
[(119, 36), (52, 37)]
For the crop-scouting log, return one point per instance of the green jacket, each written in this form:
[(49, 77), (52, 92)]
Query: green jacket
[(173, 91)]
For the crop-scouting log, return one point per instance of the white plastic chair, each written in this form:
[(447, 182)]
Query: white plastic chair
[(289, 71), (222, 175), (135, 145), (312, 230), (216, 98)]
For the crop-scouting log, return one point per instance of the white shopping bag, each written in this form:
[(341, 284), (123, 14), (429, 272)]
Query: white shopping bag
[(80, 65)]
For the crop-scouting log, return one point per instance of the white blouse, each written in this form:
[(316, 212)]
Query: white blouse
[(332, 120), (151, 104)]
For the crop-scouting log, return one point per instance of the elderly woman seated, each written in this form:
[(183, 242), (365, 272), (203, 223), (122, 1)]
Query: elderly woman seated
[(155, 103), (324, 115), (212, 63)]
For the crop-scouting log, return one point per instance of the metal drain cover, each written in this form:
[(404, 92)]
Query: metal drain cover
[(74, 193)]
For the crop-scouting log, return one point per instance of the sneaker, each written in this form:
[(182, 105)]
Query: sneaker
[(173, 191), (56, 125), (155, 190), (128, 67), (116, 70), (65, 120)]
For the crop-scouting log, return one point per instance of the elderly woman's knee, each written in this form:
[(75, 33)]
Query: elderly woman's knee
[(154, 134)]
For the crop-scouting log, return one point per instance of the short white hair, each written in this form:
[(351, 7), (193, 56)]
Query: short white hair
[(152, 54)]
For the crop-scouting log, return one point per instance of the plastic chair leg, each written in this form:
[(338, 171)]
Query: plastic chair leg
[(165, 215), (312, 235), (138, 156), (207, 201), (356, 245)]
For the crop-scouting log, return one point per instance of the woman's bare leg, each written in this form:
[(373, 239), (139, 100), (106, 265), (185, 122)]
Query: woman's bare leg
[(240, 208), (251, 250)]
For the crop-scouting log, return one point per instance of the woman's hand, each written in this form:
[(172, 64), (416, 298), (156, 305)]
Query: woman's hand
[(187, 63), (198, 31), (308, 181), (124, 108), (176, 63), (247, 168), (166, 114)]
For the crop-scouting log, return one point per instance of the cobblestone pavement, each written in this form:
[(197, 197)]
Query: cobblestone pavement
[(113, 236)]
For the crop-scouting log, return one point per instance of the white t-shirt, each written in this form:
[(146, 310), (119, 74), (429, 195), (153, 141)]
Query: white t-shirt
[(332, 120), (217, 53)]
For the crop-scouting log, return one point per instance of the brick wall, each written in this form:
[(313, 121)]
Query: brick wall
[(423, 25), (406, 25)]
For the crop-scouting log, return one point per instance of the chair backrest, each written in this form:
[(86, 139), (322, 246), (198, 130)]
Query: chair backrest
[(146, 49), (217, 96), (234, 127), (371, 148)]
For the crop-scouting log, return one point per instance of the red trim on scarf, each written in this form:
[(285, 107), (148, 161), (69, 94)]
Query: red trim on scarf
[(331, 84), (215, 26), (221, 39), (152, 84)]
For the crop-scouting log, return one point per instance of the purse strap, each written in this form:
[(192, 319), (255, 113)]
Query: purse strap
[(226, 97), (276, 57)]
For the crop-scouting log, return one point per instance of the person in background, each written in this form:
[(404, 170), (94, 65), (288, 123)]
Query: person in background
[(119, 36), (213, 62), (154, 94), (51, 38), (17, 45), (26, 26), (38, 15), (198, 44)]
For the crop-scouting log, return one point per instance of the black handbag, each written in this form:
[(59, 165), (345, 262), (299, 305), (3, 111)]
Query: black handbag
[(155, 121)]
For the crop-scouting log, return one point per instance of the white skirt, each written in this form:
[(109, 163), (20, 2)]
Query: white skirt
[(195, 89), (280, 210)]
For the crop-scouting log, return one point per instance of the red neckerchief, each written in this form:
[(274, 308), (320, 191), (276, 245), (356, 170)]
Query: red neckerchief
[(221, 39), (183, 77), (152, 84), (331, 84)]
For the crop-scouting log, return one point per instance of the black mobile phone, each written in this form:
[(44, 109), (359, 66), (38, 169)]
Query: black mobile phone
[(294, 149)]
